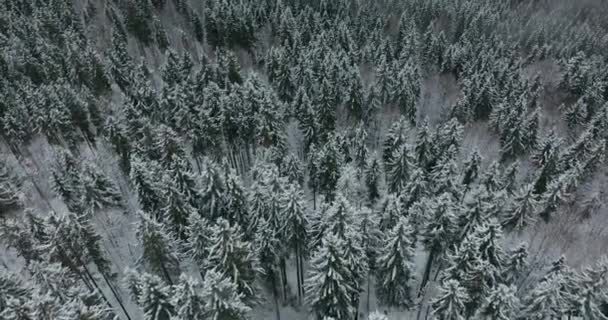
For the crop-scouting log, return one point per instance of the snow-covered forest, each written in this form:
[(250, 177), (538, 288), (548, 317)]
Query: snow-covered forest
[(303, 159)]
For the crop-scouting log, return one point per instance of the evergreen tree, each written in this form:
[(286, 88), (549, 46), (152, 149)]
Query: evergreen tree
[(9, 189), (295, 231), (229, 254), (327, 170), (144, 176), (160, 251), (121, 63), (329, 288), (439, 231), (395, 267), (471, 168), (424, 151), (187, 300), (197, 246), (372, 179), (395, 139), (521, 210), (449, 305), (151, 294), (222, 298), (515, 264), (501, 304), (398, 168), (593, 291)]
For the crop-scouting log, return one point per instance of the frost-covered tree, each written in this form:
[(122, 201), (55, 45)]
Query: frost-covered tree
[(329, 288), (440, 230), (9, 189), (592, 291), (151, 294), (187, 300), (398, 168), (372, 178), (229, 254), (501, 304), (295, 230), (160, 250), (148, 184), (198, 237), (449, 304), (222, 298), (521, 210), (515, 264), (395, 269)]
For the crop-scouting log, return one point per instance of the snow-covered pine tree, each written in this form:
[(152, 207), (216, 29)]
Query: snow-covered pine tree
[(328, 162), (292, 169), (521, 209), (151, 294), (236, 206), (502, 303), (213, 191), (471, 168), (373, 174), (440, 230), (592, 292), (295, 231), (328, 286), (121, 62), (187, 300), (449, 304), (398, 168), (424, 150), (222, 298), (160, 251), (395, 138), (395, 269), (515, 264), (229, 254), (66, 179), (9, 189), (99, 190), (145, 177)]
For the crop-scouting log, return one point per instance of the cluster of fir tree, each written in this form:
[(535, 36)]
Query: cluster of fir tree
[(242, 232)]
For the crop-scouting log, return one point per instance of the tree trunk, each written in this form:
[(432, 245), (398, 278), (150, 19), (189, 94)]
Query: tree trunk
[(369, 277), (298, 273), (275, 294), (427, 272), (314, 198), (302, 274), (284, 276), (166, 274)]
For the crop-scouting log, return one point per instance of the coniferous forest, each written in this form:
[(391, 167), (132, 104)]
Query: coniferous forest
[(303, 159)]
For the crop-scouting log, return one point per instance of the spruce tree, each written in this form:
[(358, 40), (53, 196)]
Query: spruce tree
[(515, 264), (187, 300), (592, 292), (398, 168), (328, 285), (439, 231), (160, 251), (229, 254), (521, 210), (9, 189), (501, 304), (394, 266), (222, 298), (449, 304), (151, 294)]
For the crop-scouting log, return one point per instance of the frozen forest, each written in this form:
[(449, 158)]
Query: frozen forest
[(303, 160)]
